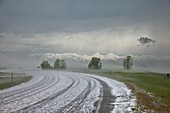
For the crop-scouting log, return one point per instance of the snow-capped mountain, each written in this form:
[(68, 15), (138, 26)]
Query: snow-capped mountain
[(78, 57), (106, 56)]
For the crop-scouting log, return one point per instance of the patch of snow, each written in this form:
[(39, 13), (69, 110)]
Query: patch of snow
[(56, 82), (124, 101)]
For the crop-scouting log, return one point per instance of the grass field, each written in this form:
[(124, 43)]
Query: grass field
[(151, 89), (6, 81)]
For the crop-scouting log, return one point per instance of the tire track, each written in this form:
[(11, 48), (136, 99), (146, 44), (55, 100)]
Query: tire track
[(42, 87), (71, 97), (106, 105), (74, 104), (43, 102), (17, 91), (91, 88)]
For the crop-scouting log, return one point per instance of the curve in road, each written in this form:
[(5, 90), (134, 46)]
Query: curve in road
[(56, 92)]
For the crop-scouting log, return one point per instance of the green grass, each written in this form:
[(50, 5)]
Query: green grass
[(6, 81), (150, 82)]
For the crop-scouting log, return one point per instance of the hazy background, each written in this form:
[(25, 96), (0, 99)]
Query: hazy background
[(82, 26)]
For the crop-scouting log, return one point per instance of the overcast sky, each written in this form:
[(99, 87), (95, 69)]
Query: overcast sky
[(84, 26)]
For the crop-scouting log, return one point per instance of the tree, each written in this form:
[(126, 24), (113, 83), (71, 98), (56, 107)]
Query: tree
[(45, 65), (62, 64), (128, 62), (57, 64), (95, 63)]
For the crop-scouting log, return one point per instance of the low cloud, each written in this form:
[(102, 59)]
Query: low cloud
[(145, 41), (105, 40)]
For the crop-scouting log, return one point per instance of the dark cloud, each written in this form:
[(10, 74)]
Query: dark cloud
[(29, 16), (146, 41), (87, 20)]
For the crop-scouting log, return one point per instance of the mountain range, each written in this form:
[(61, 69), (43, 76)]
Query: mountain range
[(78, 57), (102, 56)]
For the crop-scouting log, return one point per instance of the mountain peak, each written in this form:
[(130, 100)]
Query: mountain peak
[(106, 56)]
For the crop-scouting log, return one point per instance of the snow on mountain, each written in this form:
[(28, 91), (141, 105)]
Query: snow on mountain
[(78, 57), (108, 56)]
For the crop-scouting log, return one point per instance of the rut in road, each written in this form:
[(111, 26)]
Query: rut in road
[(106, 106), (73, 105)]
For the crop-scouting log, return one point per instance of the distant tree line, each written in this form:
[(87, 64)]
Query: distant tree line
[(58, 64), (95, 63)]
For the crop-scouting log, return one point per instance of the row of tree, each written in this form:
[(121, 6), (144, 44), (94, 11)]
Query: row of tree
[(95, 63), (58, 64)]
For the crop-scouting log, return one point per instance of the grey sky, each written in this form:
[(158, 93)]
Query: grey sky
[(84, 26)]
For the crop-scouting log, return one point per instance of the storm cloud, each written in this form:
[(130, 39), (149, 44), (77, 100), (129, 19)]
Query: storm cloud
[(84, 26), (30, 16)]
